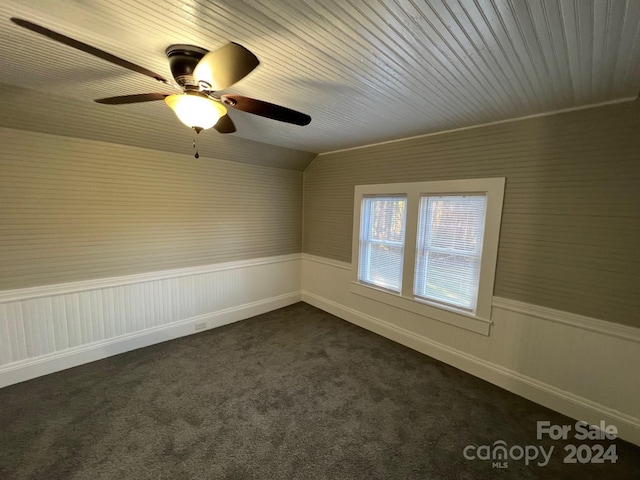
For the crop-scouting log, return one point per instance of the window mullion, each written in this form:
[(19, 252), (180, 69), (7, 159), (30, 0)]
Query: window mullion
[(410, 239)]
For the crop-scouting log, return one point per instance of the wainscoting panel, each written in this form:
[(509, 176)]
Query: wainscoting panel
[(46, 329), (583, 367)]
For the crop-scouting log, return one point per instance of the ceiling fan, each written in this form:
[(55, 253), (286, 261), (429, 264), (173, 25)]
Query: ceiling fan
[(198, 74)]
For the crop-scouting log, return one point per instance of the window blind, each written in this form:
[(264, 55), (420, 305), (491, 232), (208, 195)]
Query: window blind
[(382, 241), (449, 249)]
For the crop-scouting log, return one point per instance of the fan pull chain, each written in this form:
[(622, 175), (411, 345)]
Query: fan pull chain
[(197, 155)]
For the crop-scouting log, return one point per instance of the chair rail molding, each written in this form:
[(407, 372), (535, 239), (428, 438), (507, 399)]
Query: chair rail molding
[(54, 327)]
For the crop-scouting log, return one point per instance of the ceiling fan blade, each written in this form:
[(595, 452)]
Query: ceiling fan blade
[(88, 49), (124, 99), (266, 109), (225, 66), (225, 125)]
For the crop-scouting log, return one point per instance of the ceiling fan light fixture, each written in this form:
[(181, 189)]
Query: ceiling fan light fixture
[(196, 110)]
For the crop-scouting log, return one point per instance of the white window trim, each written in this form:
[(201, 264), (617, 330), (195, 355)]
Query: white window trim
[(479, 322)]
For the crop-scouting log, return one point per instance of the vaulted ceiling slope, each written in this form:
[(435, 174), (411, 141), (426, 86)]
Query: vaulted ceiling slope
[(366, 72)]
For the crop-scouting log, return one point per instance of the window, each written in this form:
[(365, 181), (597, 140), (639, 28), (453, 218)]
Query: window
[(429, 247), (449, 248), (382, 241)]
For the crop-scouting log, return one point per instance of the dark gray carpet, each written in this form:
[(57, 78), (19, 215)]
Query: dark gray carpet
[(295, 393)]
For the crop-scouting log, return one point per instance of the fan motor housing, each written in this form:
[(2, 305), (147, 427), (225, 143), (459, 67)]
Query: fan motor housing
[(182, 61)]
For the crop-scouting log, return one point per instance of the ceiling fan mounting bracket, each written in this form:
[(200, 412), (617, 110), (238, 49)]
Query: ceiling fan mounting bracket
[(182, 61)]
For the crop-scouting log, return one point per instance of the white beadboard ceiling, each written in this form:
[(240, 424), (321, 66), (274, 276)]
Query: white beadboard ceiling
[(366, 72)]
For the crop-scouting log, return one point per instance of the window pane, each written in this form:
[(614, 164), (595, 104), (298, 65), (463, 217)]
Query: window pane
[(384, 266), (450, 230), (385, 219), (456, 223), (382, 241), (450, 279)]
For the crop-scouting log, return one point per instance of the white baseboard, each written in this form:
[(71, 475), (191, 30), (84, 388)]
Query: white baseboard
[(46, 364), (544, 394)]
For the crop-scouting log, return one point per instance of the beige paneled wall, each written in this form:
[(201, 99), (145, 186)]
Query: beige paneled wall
[(571, 224), (73, 209)]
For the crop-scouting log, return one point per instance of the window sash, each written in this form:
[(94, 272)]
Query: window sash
[(376, 275)]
